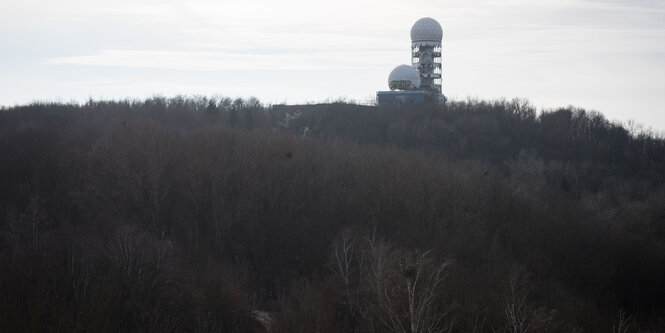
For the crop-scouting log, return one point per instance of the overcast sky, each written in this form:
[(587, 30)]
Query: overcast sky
[(604, 55)]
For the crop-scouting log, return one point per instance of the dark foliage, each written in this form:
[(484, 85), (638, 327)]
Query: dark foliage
[(200, 214)]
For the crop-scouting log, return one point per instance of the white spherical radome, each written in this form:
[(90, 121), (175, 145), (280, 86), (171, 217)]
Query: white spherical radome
[(426, 29), (404, 77)]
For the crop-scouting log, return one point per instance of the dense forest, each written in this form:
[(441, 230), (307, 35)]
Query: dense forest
[(201, 214)]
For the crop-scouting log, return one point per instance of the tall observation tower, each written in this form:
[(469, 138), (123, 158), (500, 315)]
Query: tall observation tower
[(426, 35), (420, 82)]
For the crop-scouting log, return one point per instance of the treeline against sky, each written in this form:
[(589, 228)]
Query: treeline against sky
[(217, 214)]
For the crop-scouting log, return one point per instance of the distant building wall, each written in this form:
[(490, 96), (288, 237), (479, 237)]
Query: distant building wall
[(400, 97)]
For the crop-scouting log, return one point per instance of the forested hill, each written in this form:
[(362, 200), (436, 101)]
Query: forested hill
[(218, 214)]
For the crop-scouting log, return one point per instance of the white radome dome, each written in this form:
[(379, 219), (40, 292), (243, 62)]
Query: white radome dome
[(426, 29), (404, 77)]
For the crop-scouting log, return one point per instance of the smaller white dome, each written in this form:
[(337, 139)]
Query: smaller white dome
[(404, 77), (426, 29)]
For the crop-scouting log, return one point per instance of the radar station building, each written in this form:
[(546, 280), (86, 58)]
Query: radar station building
[(421, 81)]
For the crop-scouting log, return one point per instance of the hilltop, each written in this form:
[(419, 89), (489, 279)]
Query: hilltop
[(183, 214)]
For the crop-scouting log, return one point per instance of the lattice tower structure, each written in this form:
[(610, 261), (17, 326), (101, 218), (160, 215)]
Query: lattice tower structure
[(426, 36)]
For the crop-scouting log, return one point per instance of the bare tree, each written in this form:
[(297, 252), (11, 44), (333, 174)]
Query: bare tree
[(346, 266), (518, 316), (404, 289), (421, 279), (622, 323), (32, 222)]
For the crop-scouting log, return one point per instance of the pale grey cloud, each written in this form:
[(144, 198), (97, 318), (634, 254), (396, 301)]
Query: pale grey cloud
[(223, 61)]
